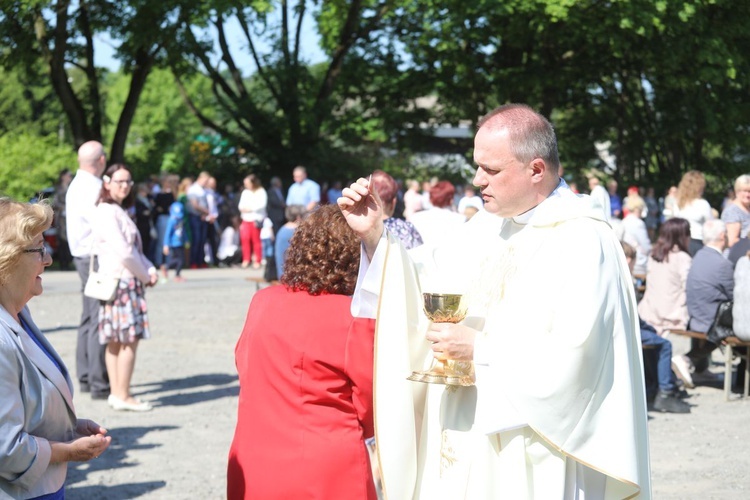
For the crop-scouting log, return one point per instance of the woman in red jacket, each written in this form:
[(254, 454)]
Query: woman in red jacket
[(305, 368)]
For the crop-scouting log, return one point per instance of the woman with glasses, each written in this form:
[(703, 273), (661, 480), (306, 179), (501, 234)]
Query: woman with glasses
[(123, 321), (39, 431)]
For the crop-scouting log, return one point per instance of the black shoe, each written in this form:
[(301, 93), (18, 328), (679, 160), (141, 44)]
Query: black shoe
[(100, 395), (738, 388), (668, 402), (681, 394)]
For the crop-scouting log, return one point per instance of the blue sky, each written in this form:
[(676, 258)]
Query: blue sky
[(104, 47)]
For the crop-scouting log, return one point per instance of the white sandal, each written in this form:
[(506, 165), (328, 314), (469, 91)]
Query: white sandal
[(120, 405)]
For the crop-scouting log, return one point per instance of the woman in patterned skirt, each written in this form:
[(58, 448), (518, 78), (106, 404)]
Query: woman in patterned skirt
[(123, 321)]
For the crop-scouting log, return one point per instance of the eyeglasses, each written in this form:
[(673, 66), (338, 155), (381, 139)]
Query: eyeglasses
[(123, 183), (42, 251)]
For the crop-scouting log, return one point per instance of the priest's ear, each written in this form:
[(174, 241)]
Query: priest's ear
[(538, 170)]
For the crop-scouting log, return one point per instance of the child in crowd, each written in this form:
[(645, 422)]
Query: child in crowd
[(174, 240), (266, 239), (229, 253)]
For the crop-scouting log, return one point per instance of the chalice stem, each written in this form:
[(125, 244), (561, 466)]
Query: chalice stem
[(442, 366)]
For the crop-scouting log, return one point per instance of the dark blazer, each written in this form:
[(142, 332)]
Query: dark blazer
[(275, 207), (710, 281), (37, 407)]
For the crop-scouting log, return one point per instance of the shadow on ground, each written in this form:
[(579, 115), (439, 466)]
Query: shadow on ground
[(124, 439), (214, 385), (119, 492)]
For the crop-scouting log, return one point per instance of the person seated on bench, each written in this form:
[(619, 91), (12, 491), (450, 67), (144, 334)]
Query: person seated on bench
[(668, 397), (664, 305), (741, 315), (709, 283)]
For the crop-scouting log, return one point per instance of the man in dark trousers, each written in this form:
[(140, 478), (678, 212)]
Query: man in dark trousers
[(709, 283), (80, 202), (276, 204)]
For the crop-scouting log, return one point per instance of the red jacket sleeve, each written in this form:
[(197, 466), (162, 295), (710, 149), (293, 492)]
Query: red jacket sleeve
[(359, 367)]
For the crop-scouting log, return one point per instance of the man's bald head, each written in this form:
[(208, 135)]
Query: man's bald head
[(91, 158)]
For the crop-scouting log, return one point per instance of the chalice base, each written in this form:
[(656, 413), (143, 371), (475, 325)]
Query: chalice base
[(442, 375)]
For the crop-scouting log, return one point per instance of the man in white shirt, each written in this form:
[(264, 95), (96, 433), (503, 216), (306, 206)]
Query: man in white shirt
[(80, 201), (558, 409), (304, 191)]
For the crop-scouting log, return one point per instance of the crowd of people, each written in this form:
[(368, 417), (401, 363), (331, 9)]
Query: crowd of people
[(328, 350), (188, 223), (685, 255)]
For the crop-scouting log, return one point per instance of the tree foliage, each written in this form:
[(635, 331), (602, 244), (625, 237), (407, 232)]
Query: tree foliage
[(664, 82), (60, 34), (32, 146), (276, 111), (163, 128), (30, 162)]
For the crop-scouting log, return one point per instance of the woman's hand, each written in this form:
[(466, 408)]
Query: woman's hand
[(86, 427), (85, 448), (92, 443)]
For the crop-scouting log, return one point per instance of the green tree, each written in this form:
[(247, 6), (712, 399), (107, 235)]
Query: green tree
[(27, 104), (60, 34), (32, 152), (278, 112), (665, 82), (163, 128), (30, 162)]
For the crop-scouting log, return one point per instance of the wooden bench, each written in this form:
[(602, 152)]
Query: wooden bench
[(729, 344)]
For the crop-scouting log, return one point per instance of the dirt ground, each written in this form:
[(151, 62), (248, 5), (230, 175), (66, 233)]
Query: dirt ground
[(179, 450)]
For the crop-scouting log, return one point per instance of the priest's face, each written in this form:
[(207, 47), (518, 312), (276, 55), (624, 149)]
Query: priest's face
[(507, 186)]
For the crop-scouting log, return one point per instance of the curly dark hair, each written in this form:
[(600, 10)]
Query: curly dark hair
[(323, 255)]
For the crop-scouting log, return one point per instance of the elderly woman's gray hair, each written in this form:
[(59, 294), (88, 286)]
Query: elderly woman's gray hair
[(742, 182), (19, 224)]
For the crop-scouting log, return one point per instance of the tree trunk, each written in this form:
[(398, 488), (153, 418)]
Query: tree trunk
[(143, 64), (55, 59)]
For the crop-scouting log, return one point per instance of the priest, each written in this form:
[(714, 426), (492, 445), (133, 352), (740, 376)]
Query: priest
[(558, 408)]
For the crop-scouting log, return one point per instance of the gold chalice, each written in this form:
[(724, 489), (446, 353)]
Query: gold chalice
[(445, 308)]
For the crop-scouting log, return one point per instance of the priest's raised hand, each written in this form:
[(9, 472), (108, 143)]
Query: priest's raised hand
[(363, 211)]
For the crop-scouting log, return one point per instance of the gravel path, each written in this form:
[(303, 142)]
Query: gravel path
[(179, 450)]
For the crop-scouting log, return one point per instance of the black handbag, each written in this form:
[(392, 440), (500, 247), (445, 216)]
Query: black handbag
[(721, 327)]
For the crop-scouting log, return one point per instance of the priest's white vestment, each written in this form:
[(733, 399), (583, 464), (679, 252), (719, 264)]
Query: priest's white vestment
[(558, 409)]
